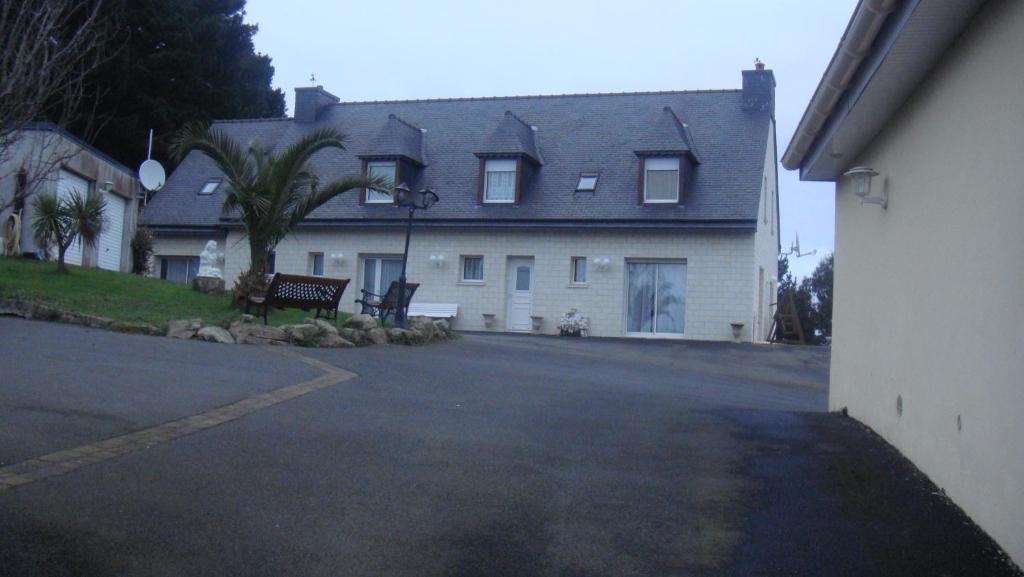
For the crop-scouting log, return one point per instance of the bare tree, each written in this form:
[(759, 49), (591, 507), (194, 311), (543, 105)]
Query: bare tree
[(48, 50)]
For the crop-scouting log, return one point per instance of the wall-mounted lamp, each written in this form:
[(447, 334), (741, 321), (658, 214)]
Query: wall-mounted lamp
[(603, 263), (437, 260), (337, 257), (860, 177)]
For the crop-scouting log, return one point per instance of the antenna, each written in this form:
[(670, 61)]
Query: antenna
[(312, 78), (151, 172), (794, 249)]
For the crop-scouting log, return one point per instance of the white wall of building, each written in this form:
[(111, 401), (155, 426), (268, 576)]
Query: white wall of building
[(719, 290), (766, 247), (928, 301)]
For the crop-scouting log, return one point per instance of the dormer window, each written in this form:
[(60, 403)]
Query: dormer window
[(386, 169), (661, 179), (500, 180), (210, 186), (587, 183)]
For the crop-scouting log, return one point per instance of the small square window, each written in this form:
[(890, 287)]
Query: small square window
[(384, 169), (500, 180), (579, 270), (587, 183), (316, 263), (210, 186), (473, 268)]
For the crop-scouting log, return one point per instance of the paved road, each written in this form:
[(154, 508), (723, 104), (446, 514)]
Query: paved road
[(495, 455)]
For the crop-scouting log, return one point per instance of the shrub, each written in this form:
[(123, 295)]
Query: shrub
[(142, 251)]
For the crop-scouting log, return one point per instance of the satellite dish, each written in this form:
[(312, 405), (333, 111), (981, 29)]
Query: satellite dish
[(152, 175)]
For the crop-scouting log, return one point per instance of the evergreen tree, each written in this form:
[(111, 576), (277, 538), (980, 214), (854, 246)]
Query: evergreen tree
[(178, 62)]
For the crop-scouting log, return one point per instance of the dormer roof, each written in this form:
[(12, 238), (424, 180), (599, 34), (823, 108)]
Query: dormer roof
[(513, 136), (665, 133), (397, 138)]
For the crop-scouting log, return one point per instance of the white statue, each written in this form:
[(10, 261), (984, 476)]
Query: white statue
[(208, 260)]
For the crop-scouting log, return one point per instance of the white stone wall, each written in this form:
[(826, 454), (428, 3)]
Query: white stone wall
[(928, 295), (766, 247), (718, 289)]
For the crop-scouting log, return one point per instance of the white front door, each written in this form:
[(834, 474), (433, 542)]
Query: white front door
[(519, 293), (110, 235)]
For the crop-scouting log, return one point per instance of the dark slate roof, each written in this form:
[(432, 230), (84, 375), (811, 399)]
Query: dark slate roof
[(397, 138), (574, 133), (512, 136)]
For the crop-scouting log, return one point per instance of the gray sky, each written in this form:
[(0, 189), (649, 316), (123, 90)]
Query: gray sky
[(405, 49)]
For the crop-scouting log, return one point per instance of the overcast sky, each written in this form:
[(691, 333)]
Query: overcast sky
[(399, 50)]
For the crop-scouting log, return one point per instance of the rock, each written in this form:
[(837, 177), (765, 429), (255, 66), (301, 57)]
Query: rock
[(214, 334), (184, 329), (303, 335), (257, 334), (326, 326), (361, 322), (335, 342), (417, 337), (423, 325), (247, 319), (356, 336), (208, 284), (444, 328), (377, 336), (398, 336)]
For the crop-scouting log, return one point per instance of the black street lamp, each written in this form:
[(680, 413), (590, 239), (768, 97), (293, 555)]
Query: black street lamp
[(423, 199)]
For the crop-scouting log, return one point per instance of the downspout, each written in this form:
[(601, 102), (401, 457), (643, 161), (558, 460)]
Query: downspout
[(854, 46)]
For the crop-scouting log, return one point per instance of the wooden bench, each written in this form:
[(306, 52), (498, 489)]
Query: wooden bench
[(293, 291), (386, 305), (434, 310)]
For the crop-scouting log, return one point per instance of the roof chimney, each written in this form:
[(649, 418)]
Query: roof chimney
[(310, 100), (759, 88)]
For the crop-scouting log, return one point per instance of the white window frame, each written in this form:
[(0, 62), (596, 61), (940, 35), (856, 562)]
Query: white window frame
[(661, 164), (587, 175), (462, 269), (162, 266), (370, 165), (500, 165), (210, 186), (572, 271), (378, 270), (312, 264)]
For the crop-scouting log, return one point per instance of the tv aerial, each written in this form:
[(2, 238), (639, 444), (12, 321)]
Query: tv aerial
[(794, 249), (151, 172)]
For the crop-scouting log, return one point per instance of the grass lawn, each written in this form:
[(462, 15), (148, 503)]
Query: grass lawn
[(121, 296)]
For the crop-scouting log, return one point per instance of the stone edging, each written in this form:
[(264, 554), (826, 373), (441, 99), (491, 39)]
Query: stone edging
[(37, 311)]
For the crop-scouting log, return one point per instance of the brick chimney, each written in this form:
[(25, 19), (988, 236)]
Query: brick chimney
[(310, 100), (759, 89)]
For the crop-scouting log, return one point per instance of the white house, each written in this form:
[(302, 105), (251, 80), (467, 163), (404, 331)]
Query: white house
[(45, 159), (928, 349), (654, 214)]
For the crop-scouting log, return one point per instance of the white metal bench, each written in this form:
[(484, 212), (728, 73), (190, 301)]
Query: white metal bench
[(433, 310)]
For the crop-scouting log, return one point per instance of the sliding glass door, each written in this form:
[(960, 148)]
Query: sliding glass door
[(655, 297)]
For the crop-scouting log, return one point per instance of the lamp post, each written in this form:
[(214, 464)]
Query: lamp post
[(423, 199)]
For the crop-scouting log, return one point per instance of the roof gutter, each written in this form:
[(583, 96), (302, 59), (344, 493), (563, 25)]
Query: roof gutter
[(855, 45)]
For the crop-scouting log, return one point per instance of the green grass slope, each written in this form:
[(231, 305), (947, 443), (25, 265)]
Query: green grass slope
[(120, 296)]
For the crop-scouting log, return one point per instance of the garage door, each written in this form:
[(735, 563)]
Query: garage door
[(67, 183), (110, 235)]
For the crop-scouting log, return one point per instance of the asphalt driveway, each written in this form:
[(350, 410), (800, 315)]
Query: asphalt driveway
[(494, 455)]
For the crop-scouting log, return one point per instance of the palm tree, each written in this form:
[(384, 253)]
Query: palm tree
[(62, 220), (270, 193)]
